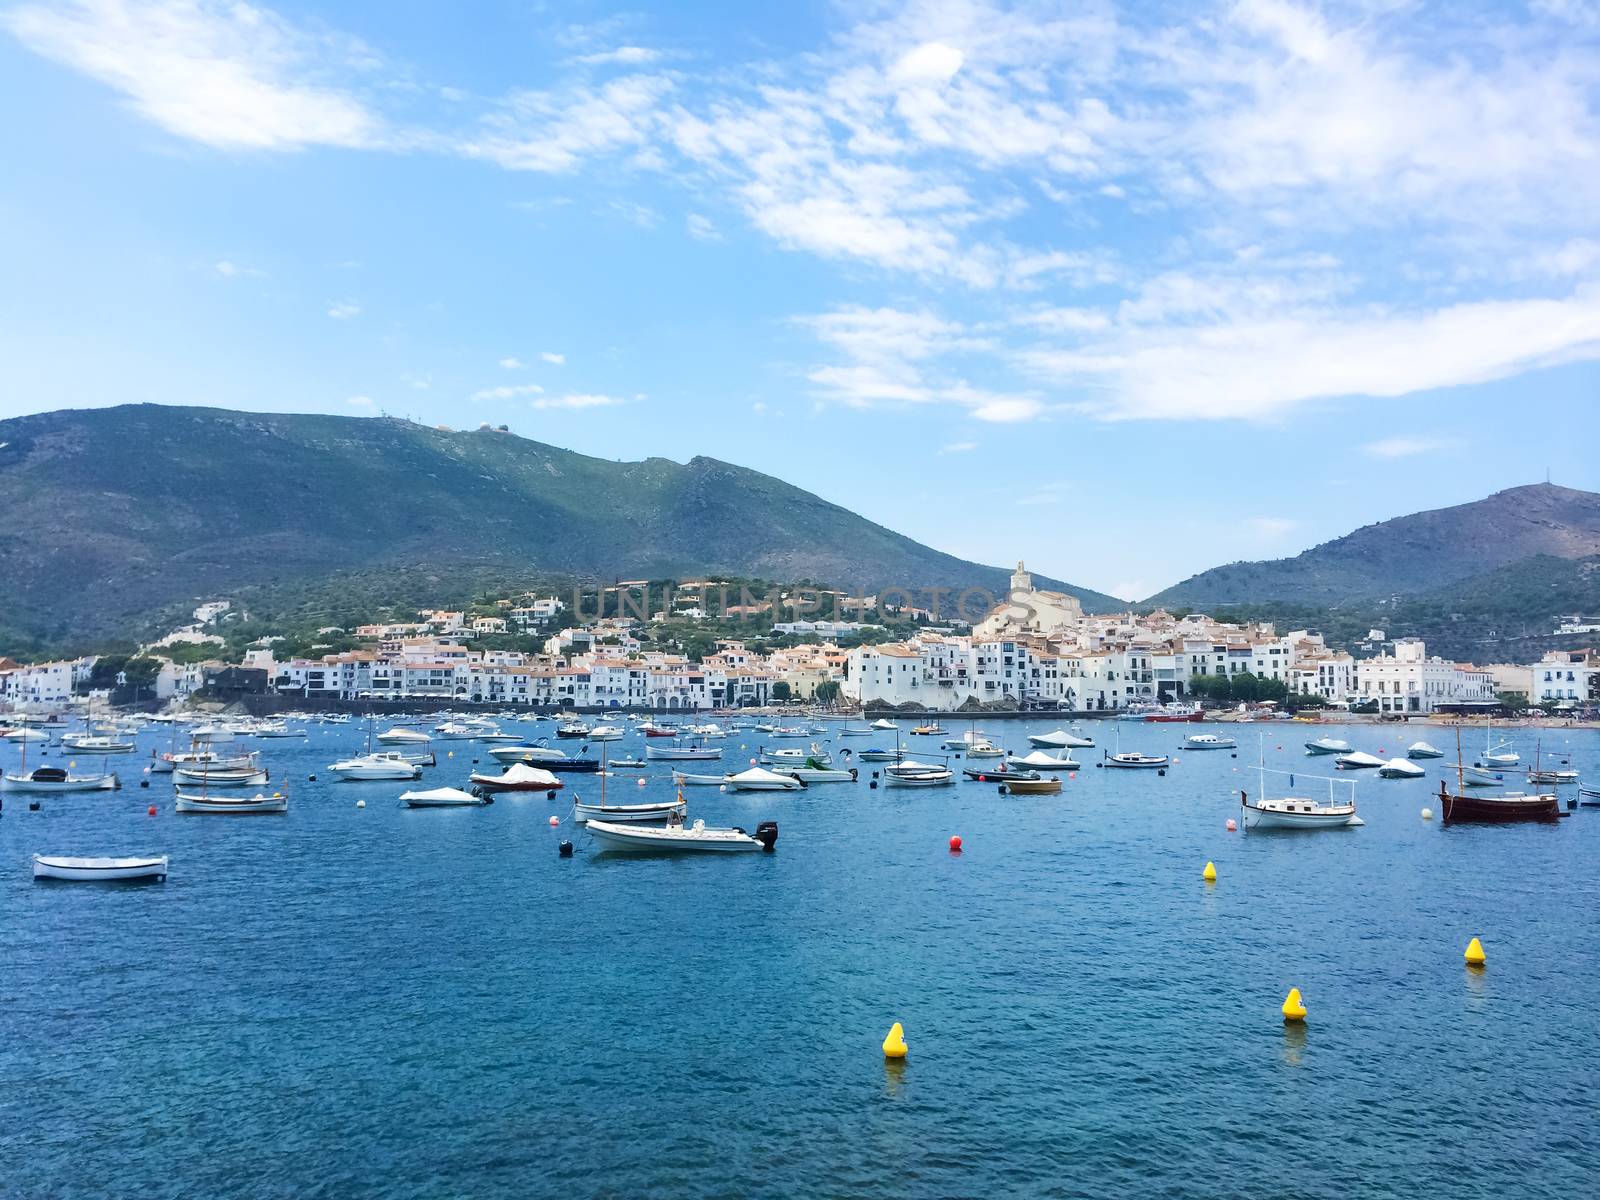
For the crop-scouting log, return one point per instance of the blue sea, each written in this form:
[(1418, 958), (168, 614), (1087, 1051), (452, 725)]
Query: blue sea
[(381, 1002)]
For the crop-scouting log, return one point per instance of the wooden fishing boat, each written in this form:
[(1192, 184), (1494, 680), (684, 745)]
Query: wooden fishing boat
[(58, 779), (236, 805), (1035, 787), (1497, 808)]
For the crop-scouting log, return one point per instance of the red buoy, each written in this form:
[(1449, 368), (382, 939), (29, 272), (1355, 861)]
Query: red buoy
[(151, 810), (955, 845)]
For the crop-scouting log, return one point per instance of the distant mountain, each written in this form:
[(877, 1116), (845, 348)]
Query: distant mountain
[(111, 515), (1425, 553)]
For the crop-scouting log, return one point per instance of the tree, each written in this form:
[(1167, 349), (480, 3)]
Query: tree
[(827, 692), (781, 690), (1210, 687)]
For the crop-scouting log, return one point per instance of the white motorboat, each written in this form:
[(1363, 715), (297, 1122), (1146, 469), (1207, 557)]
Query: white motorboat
[(381, 765), (1357, 760), (1479, 777), (908, 773), (211, 733), (884, 723), (237, 805), (96, 744), (1401, 768), (518, 777), (809, 775), (1059, 739), (796, 756), (58, 779), (635, 762), (526, 754), (685, 779), (1549, 776), (1038, 760), (277, 729), (632, 814), (492, 735), (1423, 750), (856, 731), (984, 749), (1209, 741), (445, 797), (402, 737), (683, 753), (607, 733), (1328, 746), (759, 779), (790, 731), (220, 776), (25, 736), (450, 731), (98, 870), (682, 839), (707, 731)]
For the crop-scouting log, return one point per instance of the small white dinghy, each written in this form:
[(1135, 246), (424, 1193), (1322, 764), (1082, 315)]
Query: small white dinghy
[(884, 723), (659, 810), (445, 797), (908, 773), (97, 870), (683, 839), (1038, 760), (809, 774), (236, 805), (685, 779), (1401, 768), (220, 776)]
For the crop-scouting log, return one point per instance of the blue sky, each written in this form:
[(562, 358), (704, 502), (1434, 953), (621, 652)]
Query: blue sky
[(1127, 291)]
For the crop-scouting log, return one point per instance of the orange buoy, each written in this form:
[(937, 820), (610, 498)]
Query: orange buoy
[(955, 844)]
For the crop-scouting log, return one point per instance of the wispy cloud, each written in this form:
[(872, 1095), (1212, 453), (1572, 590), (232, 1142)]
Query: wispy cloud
[(631, 56), (958, 447), (550, 356), (1408, 447), (701, 228), (359, 401), (1271, 527), (511, 363), (227, 74), (343, 310), (578, 400), (508, 392)]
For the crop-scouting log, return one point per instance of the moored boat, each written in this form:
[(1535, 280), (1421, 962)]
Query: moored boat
[(186, 802), (631, 814), (908, 773), (682, 839), (58, 779), (445, 797), (525, 754), (1401, 768), (680, 753), (1060, 739), (1327, 745), (518, 777), (1038, 760), (1357, 760), (1134, 761), (98, 870), (758, 779), (402, 737), (380, 765), (1209, 741), (1423, 750), (685, 779), (1498, 808), (220, 776), (1034, 787)]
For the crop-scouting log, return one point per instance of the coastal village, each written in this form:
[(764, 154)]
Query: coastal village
[(1035, 650)]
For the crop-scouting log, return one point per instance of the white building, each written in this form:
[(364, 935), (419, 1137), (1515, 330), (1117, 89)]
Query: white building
[(1408, 681)]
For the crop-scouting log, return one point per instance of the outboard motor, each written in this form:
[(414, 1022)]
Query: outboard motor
[(767, 835)]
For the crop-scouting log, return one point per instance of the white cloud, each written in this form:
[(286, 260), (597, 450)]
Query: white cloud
[(359, 401), (550, 356), (1270, 527), (624, 55), (1050, 493), (1408, 447), (512, 363), (556, 131), (1129, 589), (1256, 365), (701, 228), (226, 269), (958, 447), (931, 62), (508, 392), (230, 75), (578, 400), (343, 310)]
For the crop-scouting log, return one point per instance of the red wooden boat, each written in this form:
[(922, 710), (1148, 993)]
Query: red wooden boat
[(1497, 810)]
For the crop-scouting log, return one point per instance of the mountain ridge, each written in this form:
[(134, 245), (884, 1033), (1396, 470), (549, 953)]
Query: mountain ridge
[(1411, 554), (114, 514)]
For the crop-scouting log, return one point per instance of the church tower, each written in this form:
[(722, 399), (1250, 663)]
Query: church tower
[(1021, 581)]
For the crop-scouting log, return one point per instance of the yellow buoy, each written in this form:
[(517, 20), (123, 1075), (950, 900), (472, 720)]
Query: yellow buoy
[(894, 1046), (1210, 873), (1475, 956), (1294, 1008)]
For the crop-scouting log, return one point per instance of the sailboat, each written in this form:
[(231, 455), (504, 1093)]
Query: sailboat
[(1131, 759), (1498, 809), (1298, 812), (1497, 756)]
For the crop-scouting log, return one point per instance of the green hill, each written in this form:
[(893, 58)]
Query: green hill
[(1426, 552), (115, 516)]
